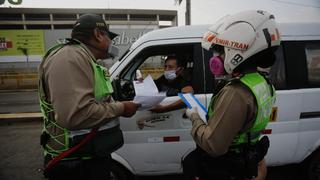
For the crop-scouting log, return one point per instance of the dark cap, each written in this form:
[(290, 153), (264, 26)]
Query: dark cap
[(87, 22)]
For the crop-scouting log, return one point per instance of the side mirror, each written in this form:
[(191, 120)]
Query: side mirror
[(123, 90), (116, 89)]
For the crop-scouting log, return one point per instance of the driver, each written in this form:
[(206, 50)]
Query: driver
[(174, 80)]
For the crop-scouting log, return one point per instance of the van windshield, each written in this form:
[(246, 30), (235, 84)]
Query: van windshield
[(124, 54)]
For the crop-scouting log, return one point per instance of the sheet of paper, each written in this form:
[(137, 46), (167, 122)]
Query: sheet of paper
[(147, 86), (147, 93), (191, 101), (148, 101)]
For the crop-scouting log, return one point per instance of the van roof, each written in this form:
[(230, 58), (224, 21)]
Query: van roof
[(288, 31), (194, 31), (300, 31)]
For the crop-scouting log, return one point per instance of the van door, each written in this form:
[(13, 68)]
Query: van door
[(295, 133), (283, 129), (305, 77), (156, 142)]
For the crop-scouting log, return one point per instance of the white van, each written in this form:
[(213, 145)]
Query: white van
[(155, 143)]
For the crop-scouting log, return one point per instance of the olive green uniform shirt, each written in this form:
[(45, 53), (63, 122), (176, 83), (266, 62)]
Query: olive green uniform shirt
[(69, 85), (234, 106)]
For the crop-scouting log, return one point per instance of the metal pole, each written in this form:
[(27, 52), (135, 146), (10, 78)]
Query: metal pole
[(188, 12)]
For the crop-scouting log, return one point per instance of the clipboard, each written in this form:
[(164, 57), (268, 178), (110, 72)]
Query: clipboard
[(191, 101)]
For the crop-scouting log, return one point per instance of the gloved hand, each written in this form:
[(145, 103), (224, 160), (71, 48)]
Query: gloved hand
[(191, 111)]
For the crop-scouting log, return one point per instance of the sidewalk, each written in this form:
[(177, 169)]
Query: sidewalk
[(20, 152), (15, 117)]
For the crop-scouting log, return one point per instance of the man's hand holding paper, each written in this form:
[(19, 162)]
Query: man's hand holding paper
[(147, 93)]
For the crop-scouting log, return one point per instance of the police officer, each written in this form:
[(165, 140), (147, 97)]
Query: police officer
[(80, 116), (230, 146)]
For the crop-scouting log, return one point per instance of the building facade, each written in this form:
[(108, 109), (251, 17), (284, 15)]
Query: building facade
[(26, 33)]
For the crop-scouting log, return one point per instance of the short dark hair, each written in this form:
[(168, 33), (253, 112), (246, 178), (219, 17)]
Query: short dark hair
[(178, 60), (82, 36)]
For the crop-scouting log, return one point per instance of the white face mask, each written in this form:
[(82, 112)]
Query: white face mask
[(170, 75), (112, 51)]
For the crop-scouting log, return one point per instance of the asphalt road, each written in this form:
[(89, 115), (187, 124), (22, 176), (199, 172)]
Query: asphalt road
[(21, 155)]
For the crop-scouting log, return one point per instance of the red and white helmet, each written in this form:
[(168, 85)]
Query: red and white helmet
[(243, 35)]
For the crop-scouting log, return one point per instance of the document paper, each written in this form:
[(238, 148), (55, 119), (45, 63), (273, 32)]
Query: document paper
[(147, 93), (191, 101)]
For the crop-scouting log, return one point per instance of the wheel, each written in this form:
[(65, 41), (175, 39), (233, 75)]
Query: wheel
[(312, 166), (118, 172)]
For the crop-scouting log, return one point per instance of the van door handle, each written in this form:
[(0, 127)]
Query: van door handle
[(307, 115)]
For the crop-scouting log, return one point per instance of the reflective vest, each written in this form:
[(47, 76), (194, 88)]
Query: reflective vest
[(102, 90), (265, 99)]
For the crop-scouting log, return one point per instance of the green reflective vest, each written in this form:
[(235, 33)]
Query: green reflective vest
[(265, 98), (102, 90)]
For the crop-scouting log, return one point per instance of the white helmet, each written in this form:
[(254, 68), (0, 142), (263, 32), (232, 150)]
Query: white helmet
[(243, 34)]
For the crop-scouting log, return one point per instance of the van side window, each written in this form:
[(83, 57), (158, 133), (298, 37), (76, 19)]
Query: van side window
[(186, 54), (313, 64), (151, 61), (153, 66)]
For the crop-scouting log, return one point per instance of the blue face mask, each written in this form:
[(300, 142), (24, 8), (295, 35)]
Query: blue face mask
[(170, 75)]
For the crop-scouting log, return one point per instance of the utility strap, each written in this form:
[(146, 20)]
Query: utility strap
[(64, 154)]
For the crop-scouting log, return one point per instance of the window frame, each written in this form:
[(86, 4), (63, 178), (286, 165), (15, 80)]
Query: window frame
[(296, 64), (279, 84), (128, 72)]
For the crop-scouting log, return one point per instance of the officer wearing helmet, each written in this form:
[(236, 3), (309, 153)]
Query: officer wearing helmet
[(230, 145)]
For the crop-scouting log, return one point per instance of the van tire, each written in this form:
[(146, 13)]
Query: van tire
[(118, 172), (312, 166)]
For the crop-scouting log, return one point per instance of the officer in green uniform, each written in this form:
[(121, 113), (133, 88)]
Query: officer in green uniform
[(80, 115), (230, 145)]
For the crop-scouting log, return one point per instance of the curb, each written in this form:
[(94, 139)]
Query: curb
[(20, 117)]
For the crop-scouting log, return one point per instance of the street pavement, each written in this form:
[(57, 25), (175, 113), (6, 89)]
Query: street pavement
[(21, 154)]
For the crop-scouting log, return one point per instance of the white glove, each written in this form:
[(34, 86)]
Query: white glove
[(191, 111)]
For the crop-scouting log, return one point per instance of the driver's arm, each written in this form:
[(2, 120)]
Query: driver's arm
[(175, 105)]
